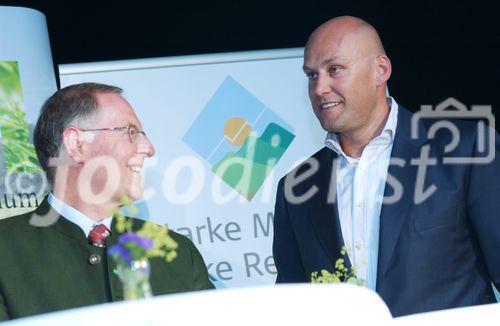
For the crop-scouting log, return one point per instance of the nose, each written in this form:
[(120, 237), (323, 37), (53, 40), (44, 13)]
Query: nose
[(144, 146), (321, 85)]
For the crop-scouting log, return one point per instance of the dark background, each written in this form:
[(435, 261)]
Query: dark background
[(438, 48)]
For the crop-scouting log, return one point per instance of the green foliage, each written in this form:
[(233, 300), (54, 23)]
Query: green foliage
[(341, 273), (163, 245), (124, 224), (19, 152)]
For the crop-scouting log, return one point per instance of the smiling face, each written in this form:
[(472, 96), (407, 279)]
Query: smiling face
[(115, 111), (340, 61)]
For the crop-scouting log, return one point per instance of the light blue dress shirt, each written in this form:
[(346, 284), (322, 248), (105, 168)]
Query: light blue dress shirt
[(360, 190), (75, 216)]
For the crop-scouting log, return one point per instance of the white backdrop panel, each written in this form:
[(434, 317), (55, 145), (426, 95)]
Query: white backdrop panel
[(24, 38), (27, 79)]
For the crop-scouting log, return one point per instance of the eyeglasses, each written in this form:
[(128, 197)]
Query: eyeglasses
[(132, 130)]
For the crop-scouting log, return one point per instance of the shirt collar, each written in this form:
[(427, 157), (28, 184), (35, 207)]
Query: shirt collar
[(389, 131), (75, 216)]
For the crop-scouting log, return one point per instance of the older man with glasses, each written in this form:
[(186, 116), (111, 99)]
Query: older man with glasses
[(92, 147)]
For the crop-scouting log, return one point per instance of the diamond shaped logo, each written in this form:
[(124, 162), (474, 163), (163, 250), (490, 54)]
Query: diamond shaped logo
[(240, 137)]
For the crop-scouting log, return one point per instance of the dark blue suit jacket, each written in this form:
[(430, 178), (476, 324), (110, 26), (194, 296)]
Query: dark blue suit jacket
[(441, 253)]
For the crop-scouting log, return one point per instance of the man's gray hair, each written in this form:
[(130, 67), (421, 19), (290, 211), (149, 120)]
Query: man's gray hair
[(68, 104)]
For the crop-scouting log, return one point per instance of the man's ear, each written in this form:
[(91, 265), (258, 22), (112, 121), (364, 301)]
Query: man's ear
[(383, 69), (72, 142)]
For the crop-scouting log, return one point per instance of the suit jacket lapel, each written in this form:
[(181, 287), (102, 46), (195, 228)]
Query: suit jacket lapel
[(394, 215), (323, 207)]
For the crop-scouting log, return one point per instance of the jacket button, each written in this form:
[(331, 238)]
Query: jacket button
[(94, 259)]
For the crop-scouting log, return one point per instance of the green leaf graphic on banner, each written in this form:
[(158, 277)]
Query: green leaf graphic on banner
[(18, 151), (246, 170)]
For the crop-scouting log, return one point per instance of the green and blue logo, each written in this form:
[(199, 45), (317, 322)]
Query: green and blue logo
[(240, 137)]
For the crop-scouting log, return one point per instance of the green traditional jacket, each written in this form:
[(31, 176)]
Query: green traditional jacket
[(49, 268)]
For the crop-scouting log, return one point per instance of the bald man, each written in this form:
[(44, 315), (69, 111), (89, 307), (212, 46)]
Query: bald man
[(425, 235)]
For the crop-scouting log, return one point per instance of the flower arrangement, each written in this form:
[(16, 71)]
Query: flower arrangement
[(340, 275), (134, 249), (130, 247)]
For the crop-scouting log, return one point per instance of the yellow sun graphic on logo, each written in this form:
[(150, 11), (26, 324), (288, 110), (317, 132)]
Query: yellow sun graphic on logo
[(236, 131)]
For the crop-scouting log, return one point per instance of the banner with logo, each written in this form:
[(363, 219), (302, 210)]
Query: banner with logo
[(225, 128), (27, 79)]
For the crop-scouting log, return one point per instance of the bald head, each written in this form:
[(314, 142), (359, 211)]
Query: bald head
[(347, 69), (348, 30)]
